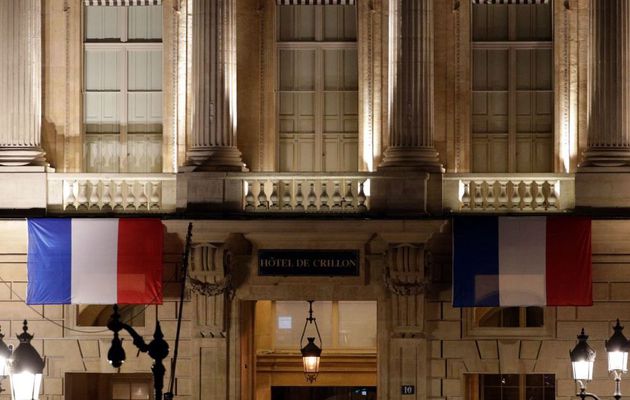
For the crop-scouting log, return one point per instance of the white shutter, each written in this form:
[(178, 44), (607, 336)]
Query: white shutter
[(510, 1), (122, 3), (315, 2)]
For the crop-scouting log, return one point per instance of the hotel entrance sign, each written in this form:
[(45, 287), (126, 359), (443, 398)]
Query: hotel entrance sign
[(308, 262)]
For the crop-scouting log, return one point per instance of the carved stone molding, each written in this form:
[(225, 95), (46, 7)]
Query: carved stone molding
[(210, 283), (404, 276)]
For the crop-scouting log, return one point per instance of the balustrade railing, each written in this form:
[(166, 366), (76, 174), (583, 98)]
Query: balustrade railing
[(297, 193), (307, 192), (118, 193), (510, 193)]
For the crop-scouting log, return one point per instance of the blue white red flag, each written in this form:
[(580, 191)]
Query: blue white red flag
[(94, 261), (522, 261)]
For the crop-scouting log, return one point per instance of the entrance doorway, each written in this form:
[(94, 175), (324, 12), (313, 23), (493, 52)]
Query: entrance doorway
[(323, 393), (348, 331)]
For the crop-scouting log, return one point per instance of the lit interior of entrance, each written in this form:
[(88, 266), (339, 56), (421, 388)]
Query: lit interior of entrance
[(323, 392), (348, 362)]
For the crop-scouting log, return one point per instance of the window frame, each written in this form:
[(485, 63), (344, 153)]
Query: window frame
[(123, 47), (473, 330), (475, 384), (138, 314), (318, 44), (131, 378), (330, 348), (511, 45), (71, 318)]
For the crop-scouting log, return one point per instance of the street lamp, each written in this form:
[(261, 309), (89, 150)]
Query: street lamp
[(617, 348), (5, 355), (157, 349), (26, 367), (583, 358), (311, 353)]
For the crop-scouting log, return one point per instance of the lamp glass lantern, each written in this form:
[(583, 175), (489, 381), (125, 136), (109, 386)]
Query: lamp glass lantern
[(5, 357), (311, 352), (27, 367), (617, 348), (582, 359)]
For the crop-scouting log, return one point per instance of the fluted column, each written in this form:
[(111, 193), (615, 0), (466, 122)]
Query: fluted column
[(212, 143), (411, 87), (20, 83), (609, 85)]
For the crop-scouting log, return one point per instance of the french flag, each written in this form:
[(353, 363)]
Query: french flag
[(522, 261), (94, 261)]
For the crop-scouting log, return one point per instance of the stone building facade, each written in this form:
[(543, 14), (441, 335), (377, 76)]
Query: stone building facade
[(270, 124)]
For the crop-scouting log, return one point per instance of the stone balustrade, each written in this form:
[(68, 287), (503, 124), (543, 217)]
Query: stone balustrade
[(304, 193), (117, 193), (508, 192), (295, 193)]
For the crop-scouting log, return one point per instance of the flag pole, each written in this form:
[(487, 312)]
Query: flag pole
[(169, 395)]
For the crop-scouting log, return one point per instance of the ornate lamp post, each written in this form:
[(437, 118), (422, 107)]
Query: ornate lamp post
[(157, 349), (617, 349), (5, 355), (26, 367), (583, 359), (311, 353)]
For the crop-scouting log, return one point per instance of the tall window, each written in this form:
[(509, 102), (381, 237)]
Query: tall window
[(509, 317), (512, 387), (502, 322), (512, 88), (123, 89), (108, 386), (343, 325), (318, 88)]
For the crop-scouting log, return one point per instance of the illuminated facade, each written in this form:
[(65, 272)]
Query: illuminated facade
[(362, 127)]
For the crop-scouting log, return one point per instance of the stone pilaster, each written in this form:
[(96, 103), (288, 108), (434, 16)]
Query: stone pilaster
[(609, 85), (212, 142), (20, 83), (405, 278), (411, 87)]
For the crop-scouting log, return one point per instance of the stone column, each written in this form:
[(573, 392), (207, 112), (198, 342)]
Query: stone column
[(411, 87), (212, 143), (609, 85), (20, 83)]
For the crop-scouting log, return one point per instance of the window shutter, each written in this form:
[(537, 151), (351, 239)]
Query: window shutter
[(510, 1), (122, 3), (315, 2)]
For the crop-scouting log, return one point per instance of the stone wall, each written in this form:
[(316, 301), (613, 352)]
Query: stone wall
[(455, 351), (69, 348)]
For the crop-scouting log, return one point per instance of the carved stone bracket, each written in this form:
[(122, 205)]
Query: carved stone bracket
[(399, 288), (404, 276), (212, 288), (210, 282)]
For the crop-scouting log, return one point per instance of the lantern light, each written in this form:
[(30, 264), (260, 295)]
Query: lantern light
[(582, 359), (5, 356), (617, 348), (26, 368), (311, 353)]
